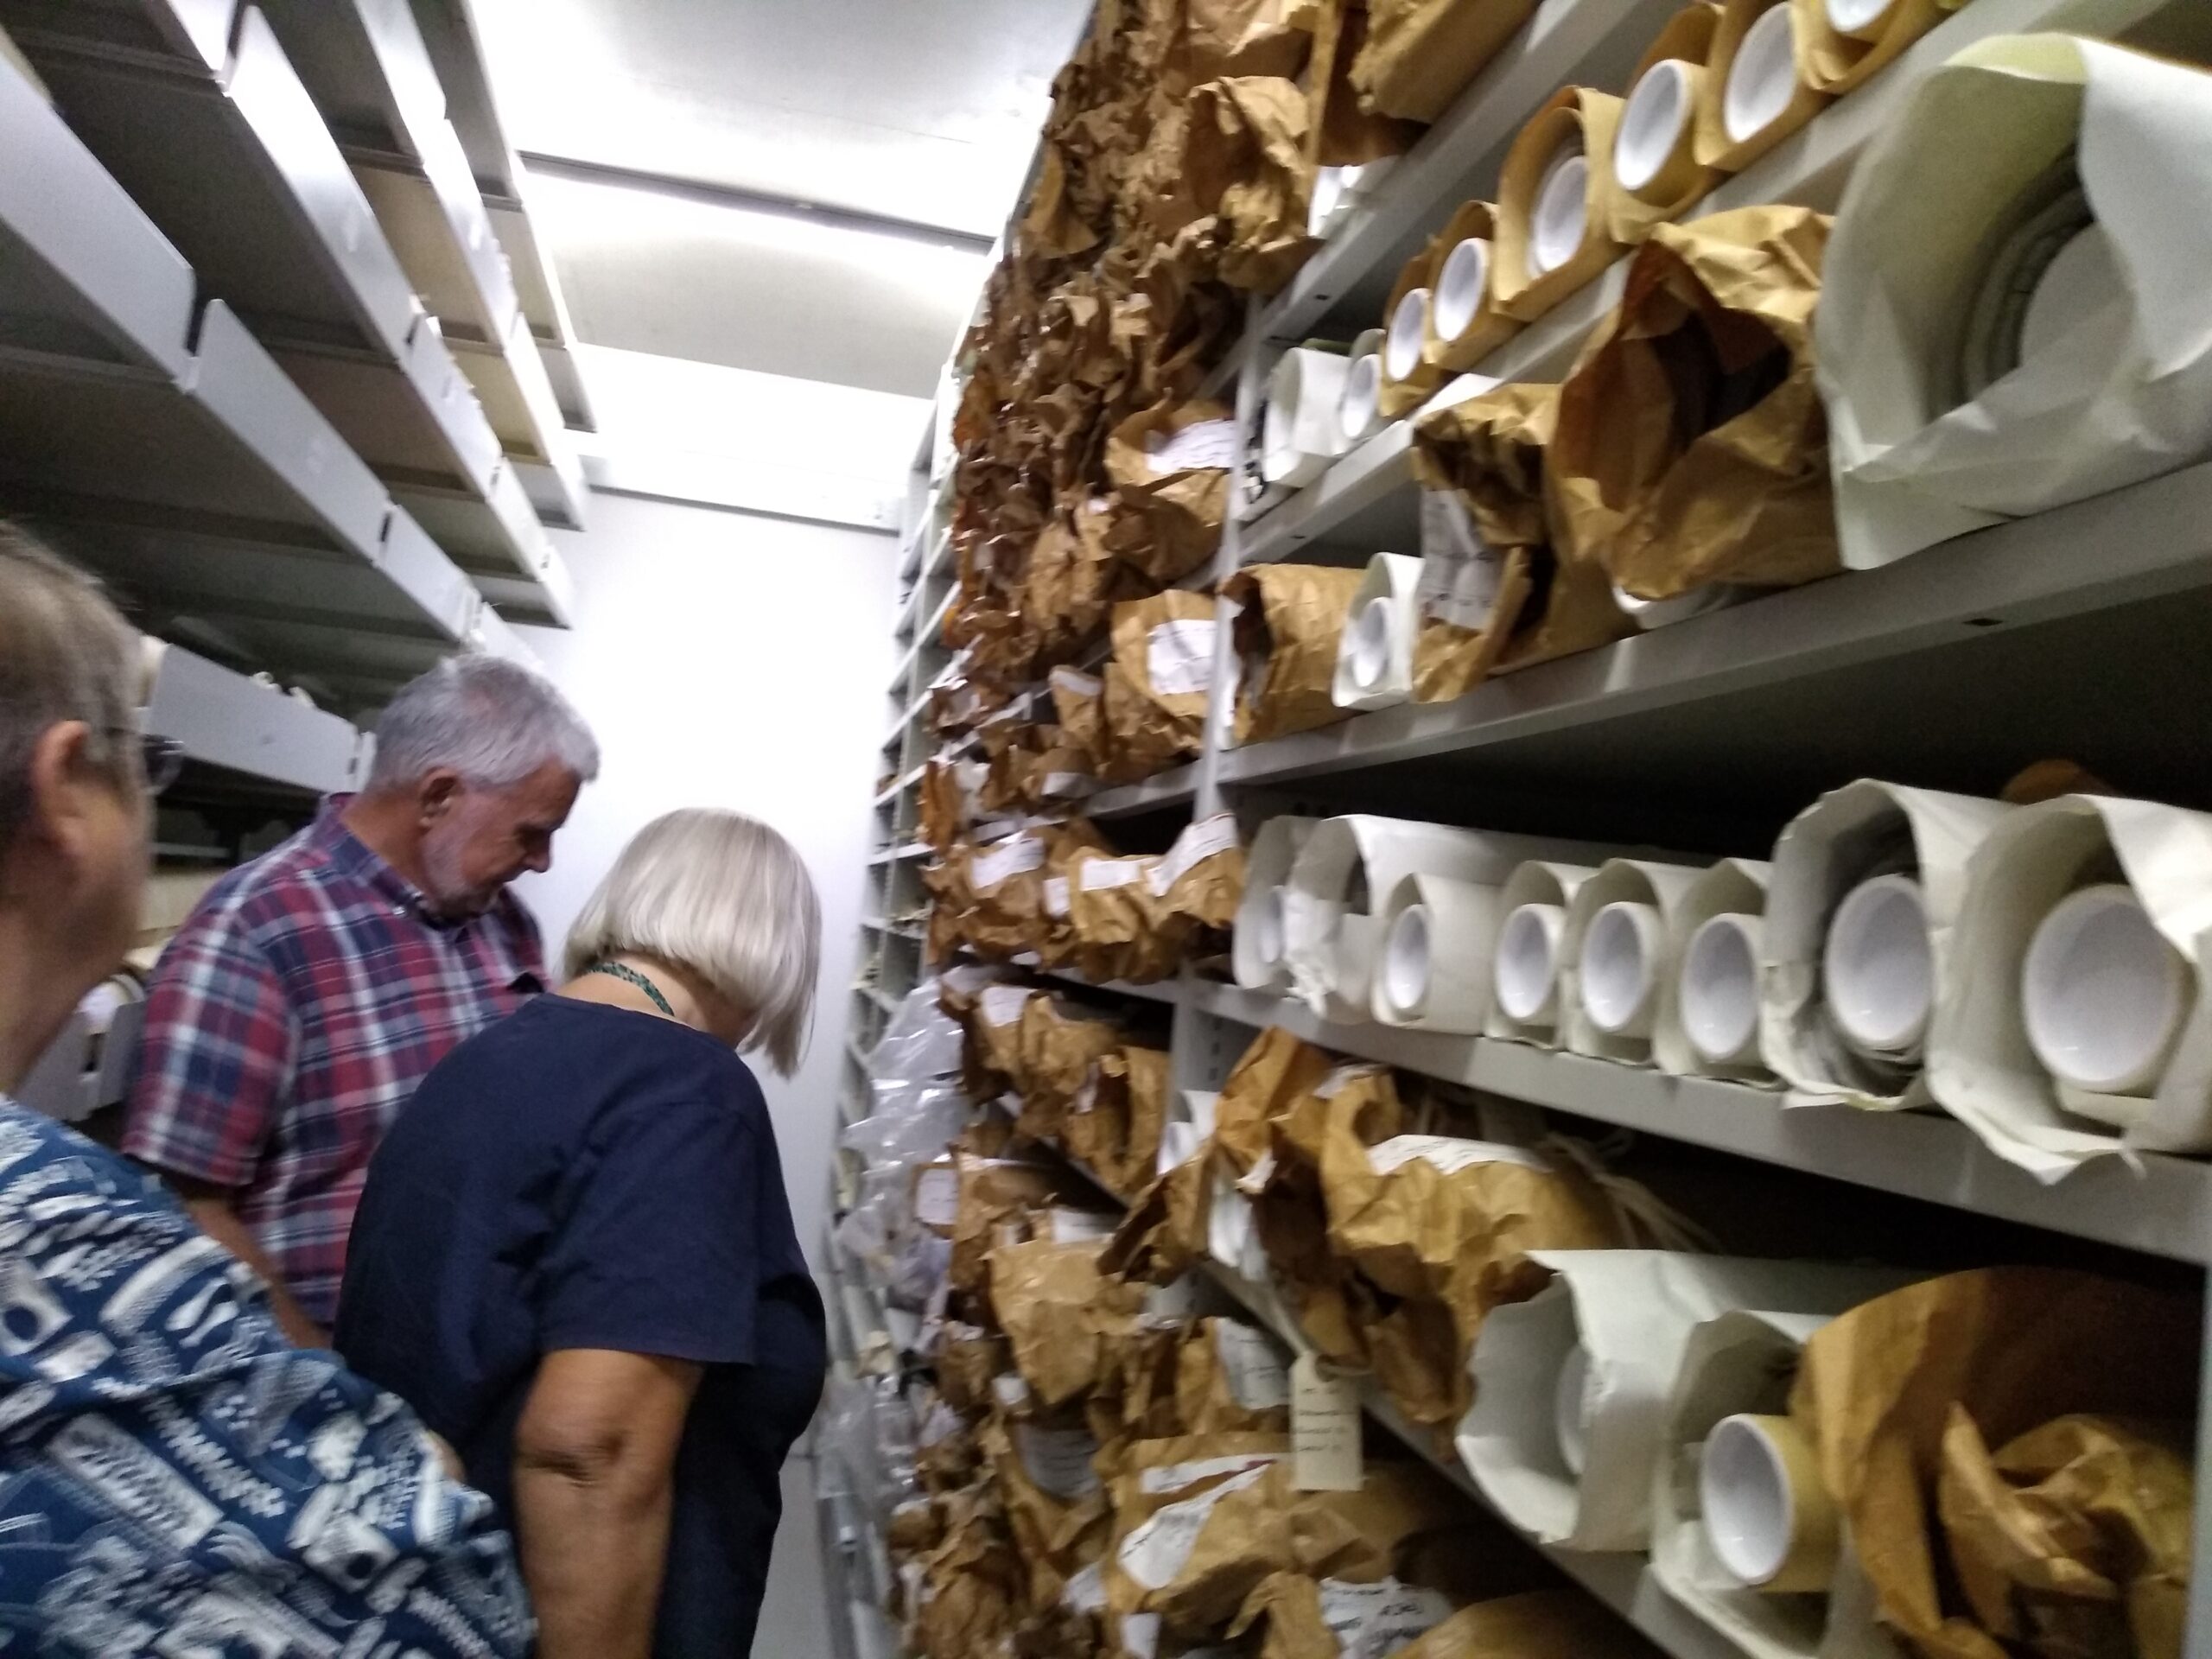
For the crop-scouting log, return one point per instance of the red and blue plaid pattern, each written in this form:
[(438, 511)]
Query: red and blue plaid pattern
[(290, 1020)]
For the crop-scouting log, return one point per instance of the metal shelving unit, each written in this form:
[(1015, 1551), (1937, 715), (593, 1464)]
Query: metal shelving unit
[(1931, 670)]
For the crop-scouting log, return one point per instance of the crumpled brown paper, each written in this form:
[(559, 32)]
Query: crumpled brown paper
[(1059, 1049), (1341, 132), (1121, 930), (1245, 37), (2072, 1539), (1289, 624), (992, 1192), (1113, 1128), (1272, 1075), (1535, 604), (1692, 443), (1061, 1316), (1148, 728), (1178, 509), (1245, 157), (2015, 1348), (1833, 62), (1421, 54), (1164, 1233)]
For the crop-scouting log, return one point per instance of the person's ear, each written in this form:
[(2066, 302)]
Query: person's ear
[(59, 821), (437, 794)]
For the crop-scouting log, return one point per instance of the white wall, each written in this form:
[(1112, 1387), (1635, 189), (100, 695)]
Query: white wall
[(730, 660)]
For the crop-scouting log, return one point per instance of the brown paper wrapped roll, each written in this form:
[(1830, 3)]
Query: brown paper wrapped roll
[(1692, 445), (1272, 1076), (1420, 54), (1245, 37), (1675, 178), (1059, 1315), (1164, 1233), (1523, 282), (1755, 72), (1404, 346), (1342, 132), (1158, 684), (1245, 157), (1488, 327), (1153, 458), (1288, 627), (2014, 1348), (1833, 62), (1535, 604), (1058, 1050)]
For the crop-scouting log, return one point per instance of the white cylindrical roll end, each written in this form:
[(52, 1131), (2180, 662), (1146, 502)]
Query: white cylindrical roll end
[(1525, 973), (1879, 968), (2103, 993)]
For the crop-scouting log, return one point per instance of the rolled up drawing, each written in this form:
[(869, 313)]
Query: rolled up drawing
[(1375, 661), (1359, 411), (1656, 173), (1465, 325), (1617, 952), (1408, 376), (1708, 1022), (1300, 430), (1439, 937), (1554, 230), (1866, 885), (1525, 969), (2085, 1028), (1571, 1385), (1257, 943), (1844, 43), (1754, 96)]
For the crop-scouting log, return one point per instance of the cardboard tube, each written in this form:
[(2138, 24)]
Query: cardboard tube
[(1768, 1515), (2103, 996), (1753, 97), (1545, 248), (1299, 434), (1408, 376), (1375, 661), (1619, 968), (1359, 411), (1571, 1410), (1877, 968), (1455, 343), (1654, 152), (1401, 339), (1560, 219), (1257, 938), (1717, 989), (1434, 970)]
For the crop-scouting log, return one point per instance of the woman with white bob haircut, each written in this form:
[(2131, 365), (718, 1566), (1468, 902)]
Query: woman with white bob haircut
[(576, 1259)]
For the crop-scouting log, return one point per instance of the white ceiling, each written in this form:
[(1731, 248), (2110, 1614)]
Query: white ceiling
[(924, 110)]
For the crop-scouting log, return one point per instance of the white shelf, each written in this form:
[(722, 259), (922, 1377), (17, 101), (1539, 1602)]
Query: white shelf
[(1175, 787), (1168, 991), (2163, 1207), (229, 721)]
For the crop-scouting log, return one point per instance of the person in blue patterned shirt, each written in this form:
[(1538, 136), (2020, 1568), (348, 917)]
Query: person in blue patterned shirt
[(175, 1479)]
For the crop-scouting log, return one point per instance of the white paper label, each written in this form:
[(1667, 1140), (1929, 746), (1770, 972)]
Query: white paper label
[(1057, 903), (1086, 1097), (1371, 1621), (1016, 857), (1010, 1390), (1447, 1155), (1066, 784), (1173, 1302), (1174, 1477), (1058, 1460), (1081, 1226), (1086, 1592), (1460, 588), (1201, 445), (937, 1196), (1141, 1635), (1258, 1376), (1179, 658), (1341, 1079), (1001, 1005), (1076, 682), (1200, 841), (1156, 1553), (1104, 875), (1324, 1429)]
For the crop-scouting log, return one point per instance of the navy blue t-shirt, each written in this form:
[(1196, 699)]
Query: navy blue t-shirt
[(580, 1176)]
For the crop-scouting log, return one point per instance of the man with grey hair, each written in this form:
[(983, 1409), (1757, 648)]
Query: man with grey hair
[(315, 987)]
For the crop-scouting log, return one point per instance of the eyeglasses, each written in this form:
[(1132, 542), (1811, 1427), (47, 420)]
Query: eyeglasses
[(161, 758)]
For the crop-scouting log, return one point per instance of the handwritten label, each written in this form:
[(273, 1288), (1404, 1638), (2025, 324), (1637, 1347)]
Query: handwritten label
[(1201, 445), (1104, 875), (1174, 1477), (1179, 658), (1001, 1005), (1371, 1621), (1252, 1364), (1459, 574), (1155, 1554), (1324, 1429), (1016, 857), (1447, 1155), (1202, 841), (1057, 903)]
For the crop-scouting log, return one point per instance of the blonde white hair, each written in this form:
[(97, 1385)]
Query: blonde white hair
[(727, 898)]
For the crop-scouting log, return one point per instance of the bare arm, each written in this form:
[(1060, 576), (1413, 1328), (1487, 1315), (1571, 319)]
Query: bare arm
[(215, 1209), (594, 1475)]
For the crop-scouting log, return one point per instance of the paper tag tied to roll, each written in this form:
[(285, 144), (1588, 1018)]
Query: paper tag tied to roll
[(1257, 1377), (1324, 1429), (1105, 875), (1016, 857), (1179, 657), (1201, 445), (1448, 1156), (1372, 1621), (1202, 841), (1001, 1005)]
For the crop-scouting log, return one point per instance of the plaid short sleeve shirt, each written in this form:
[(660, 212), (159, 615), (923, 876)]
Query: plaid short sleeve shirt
[(290, 1020)]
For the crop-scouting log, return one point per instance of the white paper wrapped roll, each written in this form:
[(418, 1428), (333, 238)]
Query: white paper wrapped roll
[(2110, 355), (1560, 218), (1864, 830), (1525, 968), (1633, 955), (1654, 155), (1346, 874), (1359, 413), (2024, 890), (1629, 1315), (1438, 937), (1709, 1013), (1299, 435), (1257, 941), (1733, 1363), (1374, 660)]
